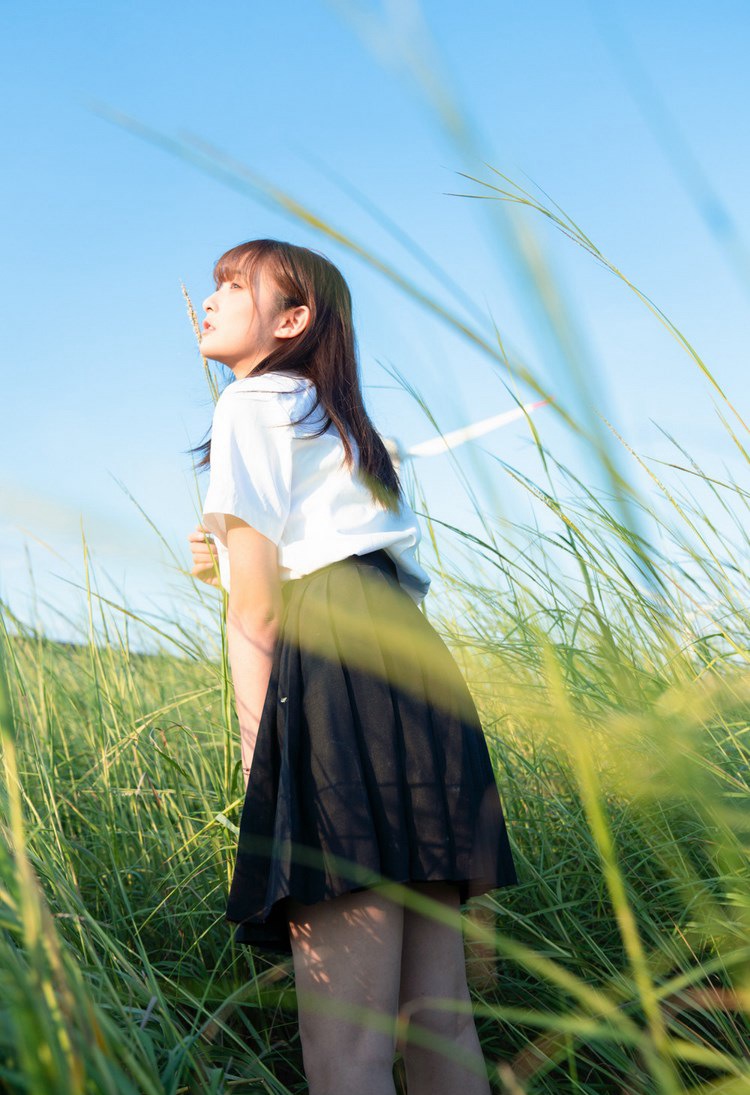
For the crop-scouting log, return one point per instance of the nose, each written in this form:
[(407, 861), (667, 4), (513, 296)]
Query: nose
[(208, 303)]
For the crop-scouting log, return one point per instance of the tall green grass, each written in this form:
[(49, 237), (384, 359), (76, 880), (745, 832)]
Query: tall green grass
[(606, 645), (610, 673)]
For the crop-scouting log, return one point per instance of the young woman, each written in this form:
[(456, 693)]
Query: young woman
[(364, 761)]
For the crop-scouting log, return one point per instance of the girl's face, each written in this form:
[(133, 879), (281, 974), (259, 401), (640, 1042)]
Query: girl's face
[(238, 331)]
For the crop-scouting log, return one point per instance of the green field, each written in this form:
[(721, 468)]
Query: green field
[(617, 716), (606, 646)]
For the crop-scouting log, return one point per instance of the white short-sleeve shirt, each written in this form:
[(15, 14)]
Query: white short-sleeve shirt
[(295, 488)]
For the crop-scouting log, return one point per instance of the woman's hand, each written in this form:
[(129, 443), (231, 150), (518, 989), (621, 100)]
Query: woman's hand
[(204, 557)]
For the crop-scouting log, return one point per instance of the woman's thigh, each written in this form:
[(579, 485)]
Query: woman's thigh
[(438, 1037), (433, 961), (347, 964)]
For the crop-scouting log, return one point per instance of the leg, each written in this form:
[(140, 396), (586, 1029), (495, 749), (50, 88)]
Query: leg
[(347, 957), (433, 964)]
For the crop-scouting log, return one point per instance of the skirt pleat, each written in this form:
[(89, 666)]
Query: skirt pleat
[(370, 762)]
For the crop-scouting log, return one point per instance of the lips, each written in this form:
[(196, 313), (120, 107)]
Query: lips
[(207, 326)]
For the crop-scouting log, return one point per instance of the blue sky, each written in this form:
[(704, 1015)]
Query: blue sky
[(634, 123)]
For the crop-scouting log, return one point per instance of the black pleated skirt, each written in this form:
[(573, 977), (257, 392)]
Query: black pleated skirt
[(370, 762)]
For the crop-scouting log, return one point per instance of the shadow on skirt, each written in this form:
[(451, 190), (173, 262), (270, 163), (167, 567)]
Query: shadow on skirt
[(370, 761)]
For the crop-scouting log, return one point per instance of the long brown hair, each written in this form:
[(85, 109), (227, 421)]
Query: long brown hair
[(325, 352)]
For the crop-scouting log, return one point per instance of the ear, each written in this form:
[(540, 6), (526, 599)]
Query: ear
[(294, 322), (254, 581)]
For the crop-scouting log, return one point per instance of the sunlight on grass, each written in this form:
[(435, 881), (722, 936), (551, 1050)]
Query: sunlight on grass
[(606, 647)]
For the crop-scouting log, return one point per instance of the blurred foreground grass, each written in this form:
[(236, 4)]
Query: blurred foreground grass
[(607, 649), (617, 715)]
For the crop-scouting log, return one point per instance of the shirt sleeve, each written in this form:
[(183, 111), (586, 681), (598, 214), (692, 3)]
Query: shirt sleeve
[(251, 464)]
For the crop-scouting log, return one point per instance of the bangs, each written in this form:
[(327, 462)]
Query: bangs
[(237, 264)]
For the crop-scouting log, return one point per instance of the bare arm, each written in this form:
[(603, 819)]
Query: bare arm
[(250, 656), (253, 618)]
